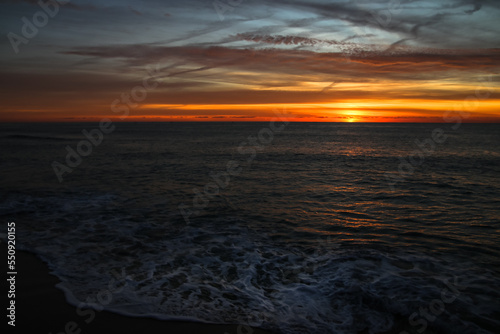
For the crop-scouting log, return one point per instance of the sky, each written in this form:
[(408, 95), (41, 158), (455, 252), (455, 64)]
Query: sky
[(247, 60)]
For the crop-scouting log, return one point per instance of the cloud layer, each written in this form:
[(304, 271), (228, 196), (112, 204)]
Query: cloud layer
[(330, 58)]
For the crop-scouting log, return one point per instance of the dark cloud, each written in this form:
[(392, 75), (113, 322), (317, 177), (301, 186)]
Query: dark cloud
[(369, 18), (412, 59), (286, 40), (69, 4), (136, 12)]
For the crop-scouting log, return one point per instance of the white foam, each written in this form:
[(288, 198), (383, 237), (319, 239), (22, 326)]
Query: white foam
[(219, 271)]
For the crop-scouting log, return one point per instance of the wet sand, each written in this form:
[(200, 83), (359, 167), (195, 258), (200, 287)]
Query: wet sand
[(42, 308)]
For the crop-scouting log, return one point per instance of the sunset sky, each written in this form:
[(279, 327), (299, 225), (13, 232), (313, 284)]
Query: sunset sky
[(242, 60)]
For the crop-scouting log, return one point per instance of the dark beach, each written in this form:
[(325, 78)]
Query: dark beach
[(42, 308)]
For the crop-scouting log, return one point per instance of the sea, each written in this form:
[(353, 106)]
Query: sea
[(290, 227)]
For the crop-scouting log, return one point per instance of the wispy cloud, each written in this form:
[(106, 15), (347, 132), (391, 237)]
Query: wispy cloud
[(303, 52)]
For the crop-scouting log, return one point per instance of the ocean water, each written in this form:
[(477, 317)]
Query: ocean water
[(296, 228)]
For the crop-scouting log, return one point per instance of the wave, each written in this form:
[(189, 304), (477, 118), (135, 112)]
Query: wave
[(219, 270)]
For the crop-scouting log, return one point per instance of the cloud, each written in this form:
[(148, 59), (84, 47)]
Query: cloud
[(286, 40), (136, 12), (478, 4), (411, 60), (69, 4), (384, 21), (477, 7)]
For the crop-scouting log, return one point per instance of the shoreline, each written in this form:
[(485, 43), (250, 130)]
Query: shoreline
[(42, 308)]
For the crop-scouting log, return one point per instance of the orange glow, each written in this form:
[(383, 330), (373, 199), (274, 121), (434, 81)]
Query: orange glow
[(339, 111), (324, 110), (404, 85)]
